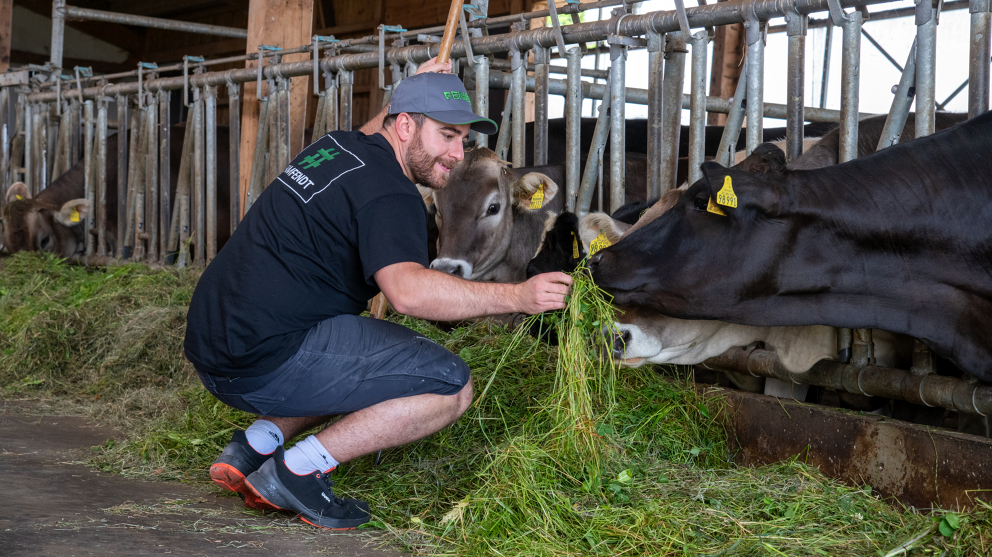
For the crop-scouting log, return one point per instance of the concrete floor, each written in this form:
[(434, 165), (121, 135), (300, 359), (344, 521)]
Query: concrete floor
[(54, 506)]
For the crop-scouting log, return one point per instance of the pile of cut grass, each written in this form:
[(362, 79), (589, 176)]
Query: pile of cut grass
[(551, 460)]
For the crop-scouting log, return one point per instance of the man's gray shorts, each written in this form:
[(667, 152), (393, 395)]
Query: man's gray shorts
[(345, 364)]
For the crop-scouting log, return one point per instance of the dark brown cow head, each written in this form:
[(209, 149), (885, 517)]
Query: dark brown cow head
[(43, 224), (489, 220)]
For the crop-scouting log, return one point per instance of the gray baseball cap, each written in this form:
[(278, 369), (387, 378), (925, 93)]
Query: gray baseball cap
[(439, 96)]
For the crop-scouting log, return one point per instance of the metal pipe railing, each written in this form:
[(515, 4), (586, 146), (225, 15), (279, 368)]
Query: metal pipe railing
[(870, 380), (75, 13), (980, 51)]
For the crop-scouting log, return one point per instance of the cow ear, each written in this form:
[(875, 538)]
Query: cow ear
[(732, 190), (601, 226), (428, 196), (533, 191), (18, 191), (766, 158), (73, 212)]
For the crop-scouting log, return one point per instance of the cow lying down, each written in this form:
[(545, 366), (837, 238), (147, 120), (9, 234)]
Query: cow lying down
[(49, 222), (898, 240)]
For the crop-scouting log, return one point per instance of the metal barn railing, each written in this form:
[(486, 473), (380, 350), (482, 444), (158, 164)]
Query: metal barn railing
[(60, 119)]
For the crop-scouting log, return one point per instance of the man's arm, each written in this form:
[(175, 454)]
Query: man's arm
[(375, 124), (427, 294)]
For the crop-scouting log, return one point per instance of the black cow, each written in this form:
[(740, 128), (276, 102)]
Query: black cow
[(899, 240)]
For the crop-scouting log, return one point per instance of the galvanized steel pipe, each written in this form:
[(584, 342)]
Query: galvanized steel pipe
[(849, 86), (234, 164), (199, 257), (517, 96), (901, 101), (88, 162), (697, 109), (755, 83), (594, 157), (978, 65), (671, 108), (573, 129), (482, 95), (618, 123), (795, 85), (656, 63), (926, 59), (165, 171), (211, 171), (101, 178), (123, 120), (73, 12), (346, 80)]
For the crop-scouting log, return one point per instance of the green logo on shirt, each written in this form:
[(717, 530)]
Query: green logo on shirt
[(316, 159), (457, 95)]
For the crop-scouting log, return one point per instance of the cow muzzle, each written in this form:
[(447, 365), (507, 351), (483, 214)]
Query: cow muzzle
[(457, 267)]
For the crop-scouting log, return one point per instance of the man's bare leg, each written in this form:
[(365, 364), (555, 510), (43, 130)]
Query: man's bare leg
[(392, 423), (291, 427)]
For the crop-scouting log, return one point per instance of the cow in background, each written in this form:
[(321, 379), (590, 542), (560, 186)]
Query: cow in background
[(38, 224)]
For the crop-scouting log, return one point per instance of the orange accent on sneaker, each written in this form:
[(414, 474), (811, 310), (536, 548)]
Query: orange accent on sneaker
[(301, 517), (229, 478)]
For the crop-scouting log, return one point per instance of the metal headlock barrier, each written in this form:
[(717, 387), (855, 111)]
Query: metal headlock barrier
[(63, 118)]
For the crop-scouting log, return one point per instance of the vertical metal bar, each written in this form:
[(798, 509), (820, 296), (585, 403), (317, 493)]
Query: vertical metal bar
[(6, 132), (331, 102), (211, 169), (152, 197), (141, 186), (347, 79), (796, 25), (926, 56), (656, 63), (596, 149), (978, 68), (518, 92), (88, 185), (199, 258), (123, 119), (849, 85), (482, 96), (618, 133), (77, 149), (258, 171), (176, 230), (755, 83), (503, 138), (48, 146), (165, 173), (827, 51), (697, 107), (58, 35), (234, 133), (275, 139), (37, 149), (101, 177), (899, 112), (573, 125), (672, 109), (136, 164), (284, 126), (29, 146), (541, 74), (735, 119)]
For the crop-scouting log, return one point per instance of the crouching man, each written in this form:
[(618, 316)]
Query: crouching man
[(274, 328)]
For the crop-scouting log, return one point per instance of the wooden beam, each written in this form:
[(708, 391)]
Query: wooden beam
[(286, 23), (6, 27)]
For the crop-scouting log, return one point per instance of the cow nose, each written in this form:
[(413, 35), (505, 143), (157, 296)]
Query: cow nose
[(593, 262), (456, 267), (620, 342)]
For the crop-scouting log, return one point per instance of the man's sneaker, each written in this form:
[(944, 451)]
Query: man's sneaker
[(310, 495), (237, 461)]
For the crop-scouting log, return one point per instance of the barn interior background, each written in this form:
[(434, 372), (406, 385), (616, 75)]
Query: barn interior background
[(80, 71)]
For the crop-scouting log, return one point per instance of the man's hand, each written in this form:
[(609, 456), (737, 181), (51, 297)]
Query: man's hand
[(432, 65), (543, 292)]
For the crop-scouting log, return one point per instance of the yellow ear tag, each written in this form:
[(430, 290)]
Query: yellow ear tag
[(714, 208), (18, 197), (537, 200), (74, 215), (598, 243), (575, 247), (726, 195)]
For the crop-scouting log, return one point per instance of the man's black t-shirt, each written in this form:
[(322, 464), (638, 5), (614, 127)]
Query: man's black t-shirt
[(306, 251)]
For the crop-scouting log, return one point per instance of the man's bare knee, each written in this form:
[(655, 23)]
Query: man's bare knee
[(464, 398)]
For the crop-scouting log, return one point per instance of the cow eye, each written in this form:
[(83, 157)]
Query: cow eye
[(44, 242), (493, 209), (700, 203)]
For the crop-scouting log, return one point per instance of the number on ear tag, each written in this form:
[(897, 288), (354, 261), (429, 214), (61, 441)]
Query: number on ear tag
[(726, 195), (714, 208), (599, 243), (575, 247), (537, 200)]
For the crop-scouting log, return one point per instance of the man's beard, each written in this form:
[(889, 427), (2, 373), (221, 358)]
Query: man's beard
[(421, 165)]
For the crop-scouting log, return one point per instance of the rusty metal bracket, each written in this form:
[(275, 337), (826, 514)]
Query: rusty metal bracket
[(143, 66), (261, 56), (317, 39), (186, 61)]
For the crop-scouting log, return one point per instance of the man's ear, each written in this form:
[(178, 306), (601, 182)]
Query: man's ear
[(18, 191), (593, 225), (533, 191), (404, 126), (732, 191), (73, 212)]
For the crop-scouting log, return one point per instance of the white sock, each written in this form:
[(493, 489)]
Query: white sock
[(309, 456), (264, 436)]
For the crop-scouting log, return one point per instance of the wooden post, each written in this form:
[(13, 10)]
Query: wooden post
[(285, 23)]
